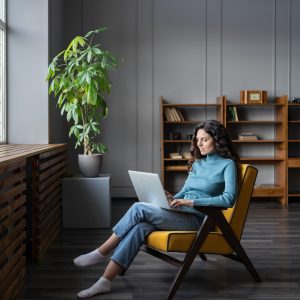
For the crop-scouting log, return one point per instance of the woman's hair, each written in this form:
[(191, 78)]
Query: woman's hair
[(221, 137)]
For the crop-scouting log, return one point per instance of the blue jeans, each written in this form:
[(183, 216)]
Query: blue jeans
[(139, 221)]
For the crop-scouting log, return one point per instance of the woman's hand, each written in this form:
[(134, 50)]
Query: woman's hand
[(181, 202), (170, 197)]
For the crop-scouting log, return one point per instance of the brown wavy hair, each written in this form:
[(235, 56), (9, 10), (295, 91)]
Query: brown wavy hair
[(221, 137)]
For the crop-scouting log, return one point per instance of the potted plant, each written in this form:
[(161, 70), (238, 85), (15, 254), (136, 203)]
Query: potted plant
[(78, 78)]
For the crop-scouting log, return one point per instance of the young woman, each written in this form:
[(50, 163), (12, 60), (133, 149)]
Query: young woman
[(212, 180)]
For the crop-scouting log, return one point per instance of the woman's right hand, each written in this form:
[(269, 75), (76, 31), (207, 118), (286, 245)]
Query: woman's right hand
[(169, 196)]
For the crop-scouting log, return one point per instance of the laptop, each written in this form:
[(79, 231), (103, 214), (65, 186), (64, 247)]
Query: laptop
[(149, 189)]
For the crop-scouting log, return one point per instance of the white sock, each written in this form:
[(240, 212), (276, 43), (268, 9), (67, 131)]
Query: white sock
[(102, 286), (88, 259)]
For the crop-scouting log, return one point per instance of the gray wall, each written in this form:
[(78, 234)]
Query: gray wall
[(27, 61), (65, 22), (187, 51)]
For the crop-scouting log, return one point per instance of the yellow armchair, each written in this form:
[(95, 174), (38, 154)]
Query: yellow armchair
[(220, 233)]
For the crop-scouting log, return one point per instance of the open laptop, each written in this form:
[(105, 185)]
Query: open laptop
[(149, 189)]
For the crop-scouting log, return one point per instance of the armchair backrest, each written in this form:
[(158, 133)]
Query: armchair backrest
[(236, 215)]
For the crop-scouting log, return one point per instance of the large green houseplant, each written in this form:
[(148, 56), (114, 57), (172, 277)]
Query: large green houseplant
[(78, 78)]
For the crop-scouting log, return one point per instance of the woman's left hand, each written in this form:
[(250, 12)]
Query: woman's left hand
[(181, 202)]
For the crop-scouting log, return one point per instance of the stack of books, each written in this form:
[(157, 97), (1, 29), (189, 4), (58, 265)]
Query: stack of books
[(248, 136), (175, 155), (173, 114)]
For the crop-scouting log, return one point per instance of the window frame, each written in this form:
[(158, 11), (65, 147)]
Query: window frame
[(3, 27)]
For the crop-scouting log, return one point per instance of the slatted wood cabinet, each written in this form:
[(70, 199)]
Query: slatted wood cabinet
[(48, 169), (30, 208), (12, 228)]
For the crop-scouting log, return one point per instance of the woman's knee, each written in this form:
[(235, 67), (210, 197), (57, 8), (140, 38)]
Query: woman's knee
[(141, 230), (141, 206)]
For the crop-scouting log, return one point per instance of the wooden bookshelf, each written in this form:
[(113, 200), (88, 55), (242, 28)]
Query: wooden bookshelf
[(293, 150), (275, 127)]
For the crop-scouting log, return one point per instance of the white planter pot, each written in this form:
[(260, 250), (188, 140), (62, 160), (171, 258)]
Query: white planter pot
[(90, 165)]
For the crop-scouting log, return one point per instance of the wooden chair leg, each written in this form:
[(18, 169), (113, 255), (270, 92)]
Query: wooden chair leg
[(203, 257), (235, 244), (247, 262), (202, 233)]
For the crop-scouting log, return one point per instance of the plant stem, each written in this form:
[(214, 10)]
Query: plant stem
[(85, 142)]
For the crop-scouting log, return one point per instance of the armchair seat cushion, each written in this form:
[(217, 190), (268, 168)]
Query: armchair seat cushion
[(180, 241)]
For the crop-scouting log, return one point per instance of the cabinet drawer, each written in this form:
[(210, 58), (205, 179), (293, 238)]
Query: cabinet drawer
[(294, 162), (268, 192)]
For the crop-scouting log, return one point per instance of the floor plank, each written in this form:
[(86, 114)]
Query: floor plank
[(271, 239)]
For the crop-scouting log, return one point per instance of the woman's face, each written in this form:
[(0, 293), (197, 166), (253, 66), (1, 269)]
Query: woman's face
[(205, 142)]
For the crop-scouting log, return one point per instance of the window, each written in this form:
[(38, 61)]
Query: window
[(2, 72)]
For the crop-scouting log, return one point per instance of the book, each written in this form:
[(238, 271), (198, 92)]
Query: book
[(167, 114), (172, 114), (236, 118), (230, 115), (248, 136), (177, 117), (180, 115)]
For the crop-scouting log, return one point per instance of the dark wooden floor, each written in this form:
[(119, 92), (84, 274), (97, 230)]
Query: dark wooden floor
[(271, 239)]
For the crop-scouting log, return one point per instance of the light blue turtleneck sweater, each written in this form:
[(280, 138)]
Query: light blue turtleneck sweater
[(211, 182)]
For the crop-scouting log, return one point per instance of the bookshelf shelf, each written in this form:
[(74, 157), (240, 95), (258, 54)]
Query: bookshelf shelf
[(192, 105), (254, 122), (261, 159), (181, 122), (258, 141), (252, 104), (175, 159), (177, 141), (294, 195)]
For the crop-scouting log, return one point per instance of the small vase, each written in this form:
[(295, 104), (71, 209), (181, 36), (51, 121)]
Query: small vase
[(90, 165)]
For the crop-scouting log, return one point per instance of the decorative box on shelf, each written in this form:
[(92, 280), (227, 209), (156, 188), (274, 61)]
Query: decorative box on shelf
[(253, 97)]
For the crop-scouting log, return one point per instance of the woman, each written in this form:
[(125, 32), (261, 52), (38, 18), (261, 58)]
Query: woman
[(212, 180)]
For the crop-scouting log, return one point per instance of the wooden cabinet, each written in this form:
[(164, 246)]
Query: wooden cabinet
[(293, 163), (268, 122), (177, 124), (30, 208), (12, 228)]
